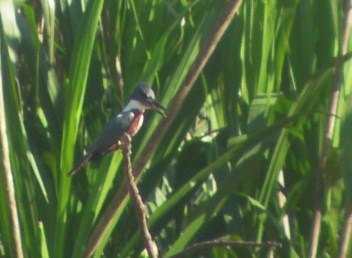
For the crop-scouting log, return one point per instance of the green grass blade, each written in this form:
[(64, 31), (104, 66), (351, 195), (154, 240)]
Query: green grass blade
[(79, 67)]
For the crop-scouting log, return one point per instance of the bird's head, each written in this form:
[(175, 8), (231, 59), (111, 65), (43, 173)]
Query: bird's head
[(143, 98)]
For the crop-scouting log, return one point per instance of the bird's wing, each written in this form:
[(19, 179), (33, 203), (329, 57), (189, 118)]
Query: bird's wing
[(106, 141)]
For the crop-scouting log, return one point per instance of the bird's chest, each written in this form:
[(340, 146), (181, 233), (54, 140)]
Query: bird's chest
[(136, 124)]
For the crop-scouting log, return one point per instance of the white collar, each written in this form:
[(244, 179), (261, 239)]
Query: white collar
[(134, 104)]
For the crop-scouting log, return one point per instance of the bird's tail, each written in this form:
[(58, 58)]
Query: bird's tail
[(81, 164)]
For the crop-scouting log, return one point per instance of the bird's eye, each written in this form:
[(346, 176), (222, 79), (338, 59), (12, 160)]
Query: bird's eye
[(144, 95), (147, 96)]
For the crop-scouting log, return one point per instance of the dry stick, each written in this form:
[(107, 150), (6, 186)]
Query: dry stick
[(223, 243), (336, 88), (136, 198), (206, 50), (348, 224), (8, 180)]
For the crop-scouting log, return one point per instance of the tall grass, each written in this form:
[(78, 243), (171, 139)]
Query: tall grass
[(244, 155)]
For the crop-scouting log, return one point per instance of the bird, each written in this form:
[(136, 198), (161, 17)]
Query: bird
[(129, 121)]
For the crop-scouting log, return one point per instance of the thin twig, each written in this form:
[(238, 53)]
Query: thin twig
[(206, 50), (136, 198), (188, 252), (8, 180), (336, 88)]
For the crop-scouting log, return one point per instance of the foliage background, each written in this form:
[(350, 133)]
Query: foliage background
[(244, 159)]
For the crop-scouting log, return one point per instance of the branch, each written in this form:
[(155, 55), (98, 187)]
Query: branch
[(336, 88), (223, 243), (136, 198)]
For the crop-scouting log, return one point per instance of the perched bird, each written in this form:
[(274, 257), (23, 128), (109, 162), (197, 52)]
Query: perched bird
[(128, 121)]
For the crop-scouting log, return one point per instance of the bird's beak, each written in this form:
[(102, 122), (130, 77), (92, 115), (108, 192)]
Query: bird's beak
[(155, 105)]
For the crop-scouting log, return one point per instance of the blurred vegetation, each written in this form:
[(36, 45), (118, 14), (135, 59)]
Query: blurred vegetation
[(240, 159)]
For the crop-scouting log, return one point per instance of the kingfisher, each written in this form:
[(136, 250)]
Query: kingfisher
[(128, 121)]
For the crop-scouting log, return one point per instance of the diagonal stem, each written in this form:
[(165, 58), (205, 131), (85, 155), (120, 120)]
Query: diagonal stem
[(207, 49)]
